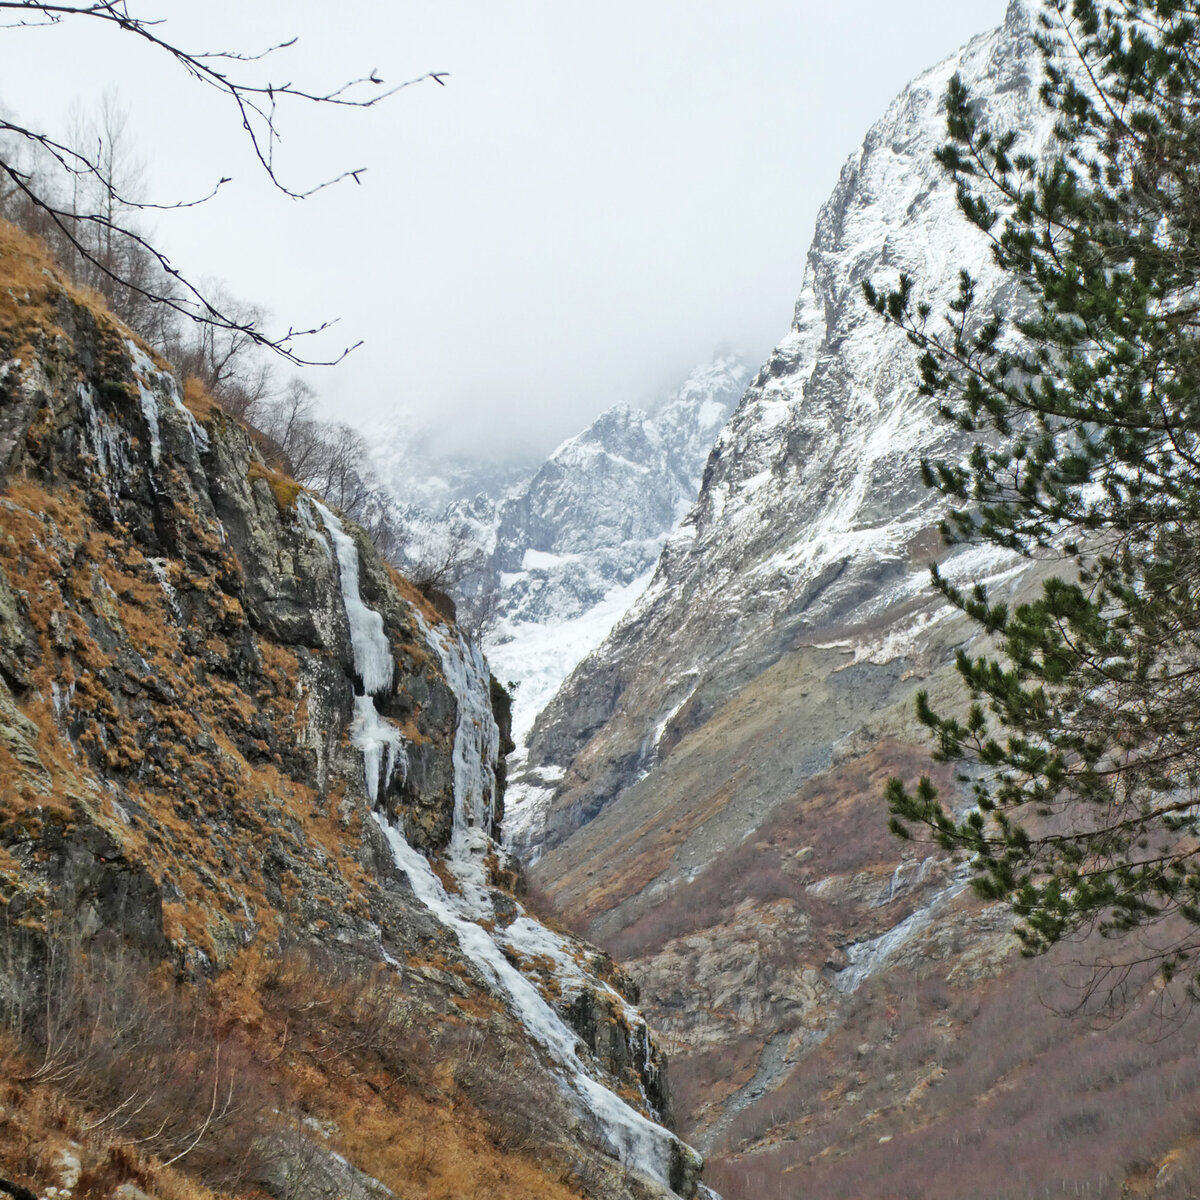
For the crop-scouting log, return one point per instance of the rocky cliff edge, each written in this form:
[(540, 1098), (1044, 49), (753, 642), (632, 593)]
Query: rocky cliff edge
[(256, 933)]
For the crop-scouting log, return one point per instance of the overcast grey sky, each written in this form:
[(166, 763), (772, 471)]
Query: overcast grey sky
[(601, 196)]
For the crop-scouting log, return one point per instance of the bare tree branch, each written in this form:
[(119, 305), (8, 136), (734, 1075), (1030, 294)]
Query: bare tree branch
[(256, 101)]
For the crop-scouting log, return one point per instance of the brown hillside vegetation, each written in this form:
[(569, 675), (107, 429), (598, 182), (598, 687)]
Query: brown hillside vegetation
[(956, 1069), (129, 1081), (196, 907)]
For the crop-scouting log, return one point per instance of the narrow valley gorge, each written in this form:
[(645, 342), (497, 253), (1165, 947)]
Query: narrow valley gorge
[(317, 882)]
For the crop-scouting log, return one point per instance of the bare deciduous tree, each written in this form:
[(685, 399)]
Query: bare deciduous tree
[(76, 191), (225, 358)]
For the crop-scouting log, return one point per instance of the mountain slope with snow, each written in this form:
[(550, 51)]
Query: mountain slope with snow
[(812, 518), (705, 791), (574, 550)]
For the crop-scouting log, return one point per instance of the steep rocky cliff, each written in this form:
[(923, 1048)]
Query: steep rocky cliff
[(249, 788), (704, 792)]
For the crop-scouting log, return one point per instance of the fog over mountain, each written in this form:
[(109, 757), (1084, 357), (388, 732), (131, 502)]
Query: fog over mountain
[(597, 197)]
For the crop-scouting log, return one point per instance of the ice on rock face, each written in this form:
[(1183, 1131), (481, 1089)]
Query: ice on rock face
[(476, 751), (150, 412), (158, 567), (109, 442), (148, 377), (372, 654), (638, 1142), (381, 743), (864, 959)]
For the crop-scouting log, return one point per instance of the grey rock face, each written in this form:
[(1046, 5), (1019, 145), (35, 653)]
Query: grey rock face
[(185, 744), (812, 521)]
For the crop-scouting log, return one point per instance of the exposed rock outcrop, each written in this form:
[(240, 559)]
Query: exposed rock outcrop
[(231, 735), (845, 1019)]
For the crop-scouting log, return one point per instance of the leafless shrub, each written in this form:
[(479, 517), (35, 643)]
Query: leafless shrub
[(520, 1118), (112, 1033), (443, 559), (361, 1013), (225, 359)]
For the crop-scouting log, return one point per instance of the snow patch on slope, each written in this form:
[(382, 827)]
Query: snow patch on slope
[(539, 655)]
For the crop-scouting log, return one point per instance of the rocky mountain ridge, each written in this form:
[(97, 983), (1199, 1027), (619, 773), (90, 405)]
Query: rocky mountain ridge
[(703, 794), (565, 550), (812, 515), (236, 748)]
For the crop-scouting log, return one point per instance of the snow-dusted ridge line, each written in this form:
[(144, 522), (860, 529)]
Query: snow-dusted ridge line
[(812, 519), (638, 1142)]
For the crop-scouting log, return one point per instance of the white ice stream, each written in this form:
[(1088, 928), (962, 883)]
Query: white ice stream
[(381, 743), (638, 1142), (865, 958)]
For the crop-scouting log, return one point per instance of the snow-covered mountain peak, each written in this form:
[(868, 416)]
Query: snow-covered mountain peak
[(564, 548), (811, 512), (576, 547)]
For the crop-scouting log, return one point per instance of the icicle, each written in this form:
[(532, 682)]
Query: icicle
[(107, 442), (477, 738), (372, 653), (476, 749), (382, 745), (150, 412), (147, 374)]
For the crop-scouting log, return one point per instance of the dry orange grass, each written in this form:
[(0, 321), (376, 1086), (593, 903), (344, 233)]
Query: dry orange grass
[(354, 1068), (32, 283), (404, 1091), (284, 488)]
